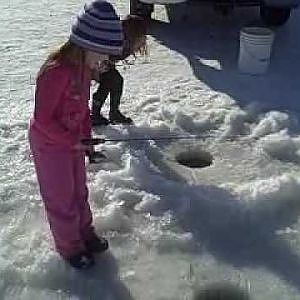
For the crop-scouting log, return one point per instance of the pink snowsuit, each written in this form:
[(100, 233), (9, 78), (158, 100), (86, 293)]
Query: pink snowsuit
[(61, 119)]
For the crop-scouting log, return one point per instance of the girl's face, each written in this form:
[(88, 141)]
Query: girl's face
[(93, 59)]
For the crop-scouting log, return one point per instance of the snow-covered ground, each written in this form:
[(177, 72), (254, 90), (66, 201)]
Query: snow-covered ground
[(172, 229)]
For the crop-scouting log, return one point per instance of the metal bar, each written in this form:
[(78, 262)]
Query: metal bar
[(97, 141)]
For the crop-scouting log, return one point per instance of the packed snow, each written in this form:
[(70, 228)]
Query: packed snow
[(173, 230)]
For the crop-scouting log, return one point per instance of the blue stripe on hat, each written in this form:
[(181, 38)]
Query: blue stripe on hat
[(103, 34), (102, 16), (96, 40), (95, 47), (98, 27), (114, 24)]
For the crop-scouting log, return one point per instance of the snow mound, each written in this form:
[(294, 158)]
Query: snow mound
[(272, 122), (281, 146)]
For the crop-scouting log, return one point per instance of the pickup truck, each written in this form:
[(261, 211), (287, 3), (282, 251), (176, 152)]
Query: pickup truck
[(272, 12)]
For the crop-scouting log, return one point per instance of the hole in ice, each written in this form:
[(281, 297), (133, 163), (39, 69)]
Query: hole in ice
[(194, 158)]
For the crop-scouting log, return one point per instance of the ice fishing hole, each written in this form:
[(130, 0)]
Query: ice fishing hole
[(194, 158)]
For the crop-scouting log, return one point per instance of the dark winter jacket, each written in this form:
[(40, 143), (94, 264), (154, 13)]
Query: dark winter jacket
[(111, 63)]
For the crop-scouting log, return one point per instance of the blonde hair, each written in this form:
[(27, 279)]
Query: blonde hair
[(134, 28), (67, 52)]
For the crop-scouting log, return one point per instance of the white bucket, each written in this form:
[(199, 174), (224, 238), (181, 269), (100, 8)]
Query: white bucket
[(255, 49)]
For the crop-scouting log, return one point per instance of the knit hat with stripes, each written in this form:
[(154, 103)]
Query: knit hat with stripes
[(98, 28)]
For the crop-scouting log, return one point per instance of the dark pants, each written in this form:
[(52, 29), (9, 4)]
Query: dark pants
[(110, 82)]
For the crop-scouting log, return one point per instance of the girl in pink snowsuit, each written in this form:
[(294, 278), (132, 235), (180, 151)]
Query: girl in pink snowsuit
[(61, 120)]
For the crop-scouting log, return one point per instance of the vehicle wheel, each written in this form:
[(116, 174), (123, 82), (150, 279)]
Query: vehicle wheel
[(274, 16), (141, 9)]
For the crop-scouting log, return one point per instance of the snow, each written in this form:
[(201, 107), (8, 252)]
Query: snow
[(281, 146), (173, 230)]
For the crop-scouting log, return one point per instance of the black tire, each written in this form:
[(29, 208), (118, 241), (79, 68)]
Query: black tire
[(143, 10), (274, 16)]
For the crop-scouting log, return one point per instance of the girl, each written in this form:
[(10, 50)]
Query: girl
[(61, 120), (110, 80)]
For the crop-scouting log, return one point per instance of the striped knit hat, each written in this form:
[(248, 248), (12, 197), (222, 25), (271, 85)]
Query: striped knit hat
[(98, 28)]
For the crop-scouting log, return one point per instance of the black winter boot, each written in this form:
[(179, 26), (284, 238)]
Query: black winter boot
[(81, 261), (96, 244), (116, 117), (99, 120)]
